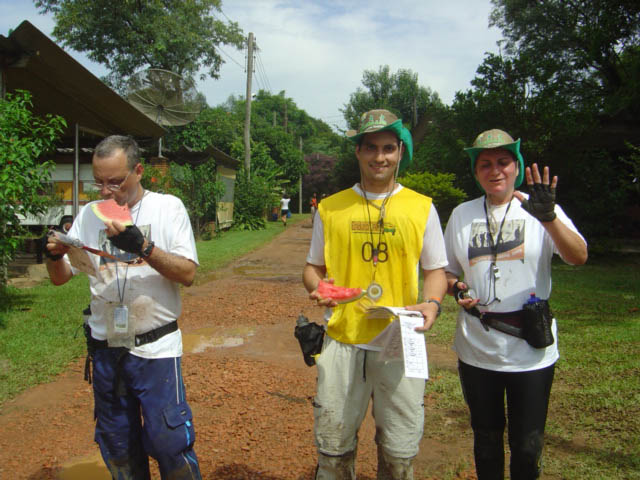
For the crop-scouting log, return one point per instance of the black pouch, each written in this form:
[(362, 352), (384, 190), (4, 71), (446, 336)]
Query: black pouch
[(310, 336), (536, 328)]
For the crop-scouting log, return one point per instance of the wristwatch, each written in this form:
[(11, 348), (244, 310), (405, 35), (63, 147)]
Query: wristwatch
[(147, 251), (433, 300)]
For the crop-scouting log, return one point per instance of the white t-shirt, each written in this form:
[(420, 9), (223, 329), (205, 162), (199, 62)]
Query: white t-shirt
[(432, 256), (152, 299), (524, 261), (284, 203)]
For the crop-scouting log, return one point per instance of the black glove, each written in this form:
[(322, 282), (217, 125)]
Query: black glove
[(131, 240), (541, 202)]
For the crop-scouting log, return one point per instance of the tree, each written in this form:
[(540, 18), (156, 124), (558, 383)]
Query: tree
[(399, 93), (24, 139), (181, 36), (578, 47)]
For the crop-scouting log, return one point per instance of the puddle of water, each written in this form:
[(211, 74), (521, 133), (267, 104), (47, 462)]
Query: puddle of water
[(199, 340), (91, 467)]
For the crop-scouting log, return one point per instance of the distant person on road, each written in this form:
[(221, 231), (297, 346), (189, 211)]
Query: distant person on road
[(313, 203), (499, 248), (133, 336), (284, 208), (376, 233)]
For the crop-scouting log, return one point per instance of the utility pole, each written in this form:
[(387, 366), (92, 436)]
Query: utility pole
[(300, 183), (247, 113), (274, 119)]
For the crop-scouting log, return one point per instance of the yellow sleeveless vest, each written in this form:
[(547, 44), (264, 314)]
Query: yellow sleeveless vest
[(350, 233)]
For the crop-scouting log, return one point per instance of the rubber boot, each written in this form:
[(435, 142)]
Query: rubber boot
[(488, 449), (394, 468), (341, 467)]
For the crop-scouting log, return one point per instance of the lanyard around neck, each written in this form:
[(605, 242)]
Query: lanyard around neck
[(126, 270)]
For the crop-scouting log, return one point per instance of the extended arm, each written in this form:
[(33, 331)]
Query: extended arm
[(540, 204)]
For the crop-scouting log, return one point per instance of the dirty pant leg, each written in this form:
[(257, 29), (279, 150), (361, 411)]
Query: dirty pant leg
[(340, 405), (398, 409), (527, 403), (167, 434), (527, 400), (118, 430)]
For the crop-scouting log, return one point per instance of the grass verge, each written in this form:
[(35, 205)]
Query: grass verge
[(40, 327)]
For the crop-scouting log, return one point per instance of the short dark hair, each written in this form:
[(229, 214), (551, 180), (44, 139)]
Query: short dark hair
[(108, 146)]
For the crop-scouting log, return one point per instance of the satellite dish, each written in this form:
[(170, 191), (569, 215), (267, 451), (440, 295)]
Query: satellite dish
[(165, 97)]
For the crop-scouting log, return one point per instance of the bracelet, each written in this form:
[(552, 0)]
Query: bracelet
[(433, 300)]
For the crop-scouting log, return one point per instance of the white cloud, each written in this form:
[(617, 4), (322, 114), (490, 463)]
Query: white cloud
[(317, 50)]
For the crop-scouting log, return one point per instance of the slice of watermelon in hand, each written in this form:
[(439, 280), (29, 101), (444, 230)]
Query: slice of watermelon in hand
[(338, 294), (109, 210)]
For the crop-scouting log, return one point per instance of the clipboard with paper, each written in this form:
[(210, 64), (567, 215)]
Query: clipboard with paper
[(400, 340)]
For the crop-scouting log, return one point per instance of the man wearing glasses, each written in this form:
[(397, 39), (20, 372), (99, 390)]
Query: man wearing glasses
[(132, 333)]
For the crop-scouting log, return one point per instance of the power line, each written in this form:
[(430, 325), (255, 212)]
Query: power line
[(231, 58), (262, 72)]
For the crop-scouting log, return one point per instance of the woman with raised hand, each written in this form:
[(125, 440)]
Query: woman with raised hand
[(499, 248)]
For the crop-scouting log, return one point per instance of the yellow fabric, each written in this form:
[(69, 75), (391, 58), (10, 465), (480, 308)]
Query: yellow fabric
[(348, 239)]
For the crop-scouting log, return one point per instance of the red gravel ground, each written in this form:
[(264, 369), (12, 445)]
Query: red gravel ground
[(247, 384)]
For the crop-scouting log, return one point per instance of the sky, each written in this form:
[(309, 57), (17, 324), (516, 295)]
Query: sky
[(317, 50)]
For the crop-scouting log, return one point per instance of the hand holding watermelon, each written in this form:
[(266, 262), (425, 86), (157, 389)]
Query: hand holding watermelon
[(127, 238), (331, 295)]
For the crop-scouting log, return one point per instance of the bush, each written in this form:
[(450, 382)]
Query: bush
[(439, 187)]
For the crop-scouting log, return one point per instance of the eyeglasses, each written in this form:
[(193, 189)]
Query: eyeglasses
[(110, 186)]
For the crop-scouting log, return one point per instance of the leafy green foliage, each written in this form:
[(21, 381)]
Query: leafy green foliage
[(439, 187), (197, 186), (249, 208), (24, 139), (397, 92), (125, 36)]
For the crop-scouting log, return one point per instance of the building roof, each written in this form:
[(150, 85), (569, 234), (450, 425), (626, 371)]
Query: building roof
[(62, 86)]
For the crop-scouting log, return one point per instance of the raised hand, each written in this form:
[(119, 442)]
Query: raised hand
[(542, 194)]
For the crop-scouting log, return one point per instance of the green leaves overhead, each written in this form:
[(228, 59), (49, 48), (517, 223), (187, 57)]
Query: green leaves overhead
[(127, 35)]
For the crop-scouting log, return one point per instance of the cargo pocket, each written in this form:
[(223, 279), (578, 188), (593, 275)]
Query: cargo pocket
[(180, 433)]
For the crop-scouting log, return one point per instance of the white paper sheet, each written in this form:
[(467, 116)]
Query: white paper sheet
[(400, 340), (414, 347)]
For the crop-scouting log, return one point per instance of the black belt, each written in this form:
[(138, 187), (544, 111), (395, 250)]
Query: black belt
[(507, 322), (143, 338)]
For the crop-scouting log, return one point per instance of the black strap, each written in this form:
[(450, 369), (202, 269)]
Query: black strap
[(156, 334), (142, 339), (507, 322)]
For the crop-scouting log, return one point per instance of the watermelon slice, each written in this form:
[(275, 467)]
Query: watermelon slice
[(338, 294), (110, 210)]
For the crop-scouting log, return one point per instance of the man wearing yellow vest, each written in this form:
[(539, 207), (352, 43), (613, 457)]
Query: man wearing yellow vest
[(376, 235)]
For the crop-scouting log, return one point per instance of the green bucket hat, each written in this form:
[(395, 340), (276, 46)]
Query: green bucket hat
[(497, 139), (379, 120)]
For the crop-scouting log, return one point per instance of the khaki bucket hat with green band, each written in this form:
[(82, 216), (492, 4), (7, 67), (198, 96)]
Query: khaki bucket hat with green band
[(379, 120), (497, 139)]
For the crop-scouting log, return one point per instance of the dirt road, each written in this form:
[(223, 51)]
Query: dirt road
[(248, 386)]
